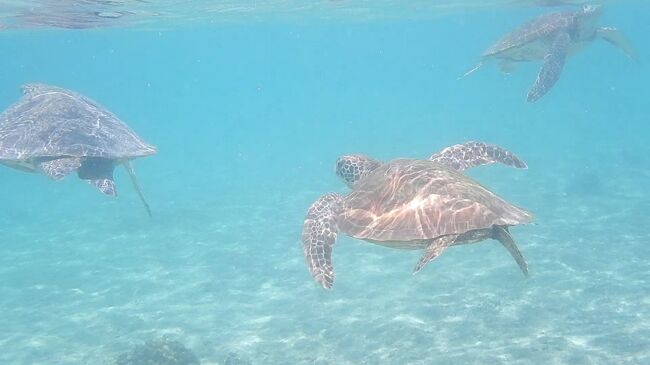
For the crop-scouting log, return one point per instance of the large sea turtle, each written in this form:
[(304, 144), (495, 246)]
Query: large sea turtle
[(550, 38), (54, 131), (412, 204)]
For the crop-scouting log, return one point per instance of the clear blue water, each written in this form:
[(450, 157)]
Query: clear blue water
[(249, 115)]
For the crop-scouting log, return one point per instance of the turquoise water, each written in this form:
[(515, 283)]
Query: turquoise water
[(249, 115)]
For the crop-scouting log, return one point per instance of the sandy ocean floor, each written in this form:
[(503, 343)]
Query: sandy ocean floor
[(227, 276)]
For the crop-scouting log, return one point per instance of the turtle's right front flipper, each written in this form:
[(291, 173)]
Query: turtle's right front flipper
[(552, 67), (318, 237), (470, 154)]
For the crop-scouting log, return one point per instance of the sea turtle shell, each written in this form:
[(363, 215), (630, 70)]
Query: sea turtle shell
[(52, 122), (532, 31), (413, 200)]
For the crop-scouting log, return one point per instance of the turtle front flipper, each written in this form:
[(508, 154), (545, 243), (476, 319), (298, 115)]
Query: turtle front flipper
[(434, 250), (552, 67), (470, 154), (59, 168), (615, 37), (501, 234), (351, 168), (318, 237), (99, 173)]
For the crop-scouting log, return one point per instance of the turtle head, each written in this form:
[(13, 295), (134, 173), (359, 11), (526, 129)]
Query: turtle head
[(587, 21), (592, 10), (351, 168)]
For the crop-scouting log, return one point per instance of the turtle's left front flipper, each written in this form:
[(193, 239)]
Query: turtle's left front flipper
[(318, 238), (552, 67), (615, 37), (470, 154)]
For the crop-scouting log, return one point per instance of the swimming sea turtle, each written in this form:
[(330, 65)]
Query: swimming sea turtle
[(413, 204), (550, 38), (54, 131), (555, 2), (162, 351), (72, 14)]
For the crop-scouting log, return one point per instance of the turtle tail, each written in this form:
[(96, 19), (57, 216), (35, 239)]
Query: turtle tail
[(318, 237)]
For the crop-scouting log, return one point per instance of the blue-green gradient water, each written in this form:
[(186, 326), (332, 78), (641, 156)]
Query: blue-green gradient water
[(249, 115)]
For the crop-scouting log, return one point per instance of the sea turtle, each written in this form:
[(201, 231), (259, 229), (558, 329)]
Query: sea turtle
[(549, 38), (413, 204), (162, 351), (72, 14), (555, 2), (54, 131)]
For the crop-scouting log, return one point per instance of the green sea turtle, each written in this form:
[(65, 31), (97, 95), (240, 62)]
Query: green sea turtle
[(413, 204), (162, 351), (550, 38), (54, 131)]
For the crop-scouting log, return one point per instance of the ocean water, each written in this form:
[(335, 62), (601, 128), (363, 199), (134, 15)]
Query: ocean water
[(250, 103)]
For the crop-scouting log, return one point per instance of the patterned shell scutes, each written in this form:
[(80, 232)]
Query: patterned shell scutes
[(406, 200), (535, 29), (49, 122)]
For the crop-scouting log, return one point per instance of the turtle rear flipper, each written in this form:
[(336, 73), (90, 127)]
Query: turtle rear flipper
[(318, 237), (134, 181), (507, 66), (501, 234), (616, 37), (552, 67), (471, 70), (434, 250), (59, 168), (106, 186), (470, 154), (99, 173)]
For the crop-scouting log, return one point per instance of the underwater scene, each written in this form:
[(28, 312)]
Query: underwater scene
[(324, 182)]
